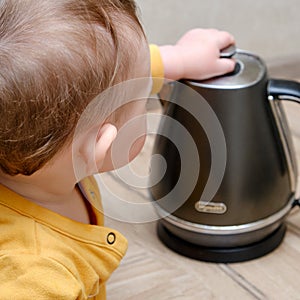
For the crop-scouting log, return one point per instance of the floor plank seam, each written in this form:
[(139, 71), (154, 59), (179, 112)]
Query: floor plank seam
[(242, 282)]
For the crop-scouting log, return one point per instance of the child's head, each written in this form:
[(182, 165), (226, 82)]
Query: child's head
[(55, 57)]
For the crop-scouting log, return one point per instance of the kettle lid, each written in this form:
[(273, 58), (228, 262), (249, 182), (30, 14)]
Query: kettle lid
[(249, 70)]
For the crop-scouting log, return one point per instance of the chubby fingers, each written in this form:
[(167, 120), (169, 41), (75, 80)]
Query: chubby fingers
[(221, 38), (225, 65), (224, 39)]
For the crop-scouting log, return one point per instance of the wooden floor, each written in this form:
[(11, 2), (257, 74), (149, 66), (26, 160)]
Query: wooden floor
[(151, 271)]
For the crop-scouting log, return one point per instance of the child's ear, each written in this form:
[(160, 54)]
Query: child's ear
[(91, 149), (105, 137)]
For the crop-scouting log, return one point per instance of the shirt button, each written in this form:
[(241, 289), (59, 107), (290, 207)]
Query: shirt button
[(111, 238)]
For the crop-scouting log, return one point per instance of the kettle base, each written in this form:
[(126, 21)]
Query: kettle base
[(221, 255)]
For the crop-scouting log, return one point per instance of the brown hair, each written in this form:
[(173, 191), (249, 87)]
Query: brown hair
[(55, 57)]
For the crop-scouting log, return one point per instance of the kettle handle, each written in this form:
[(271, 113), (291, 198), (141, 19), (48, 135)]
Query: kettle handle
[(280, 89), (284, 90)]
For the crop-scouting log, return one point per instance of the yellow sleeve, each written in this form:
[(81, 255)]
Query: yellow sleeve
[(157, 69)]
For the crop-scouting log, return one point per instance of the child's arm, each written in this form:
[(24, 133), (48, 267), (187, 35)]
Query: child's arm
[(195, 56)]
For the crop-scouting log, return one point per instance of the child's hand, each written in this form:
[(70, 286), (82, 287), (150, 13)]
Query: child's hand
[(197, 55)]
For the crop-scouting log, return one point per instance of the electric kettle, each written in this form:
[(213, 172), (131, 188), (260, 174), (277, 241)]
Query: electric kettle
[(236, 140)]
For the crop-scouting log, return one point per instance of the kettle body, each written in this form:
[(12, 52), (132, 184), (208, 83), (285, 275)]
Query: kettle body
[(257, 188)]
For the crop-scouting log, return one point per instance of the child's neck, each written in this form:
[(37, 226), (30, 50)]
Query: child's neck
[(53, 189)]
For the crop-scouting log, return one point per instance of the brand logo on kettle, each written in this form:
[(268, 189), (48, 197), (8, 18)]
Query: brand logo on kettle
[(211, 207)]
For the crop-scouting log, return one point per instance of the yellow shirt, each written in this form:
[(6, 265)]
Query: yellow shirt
[(44, 255)]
